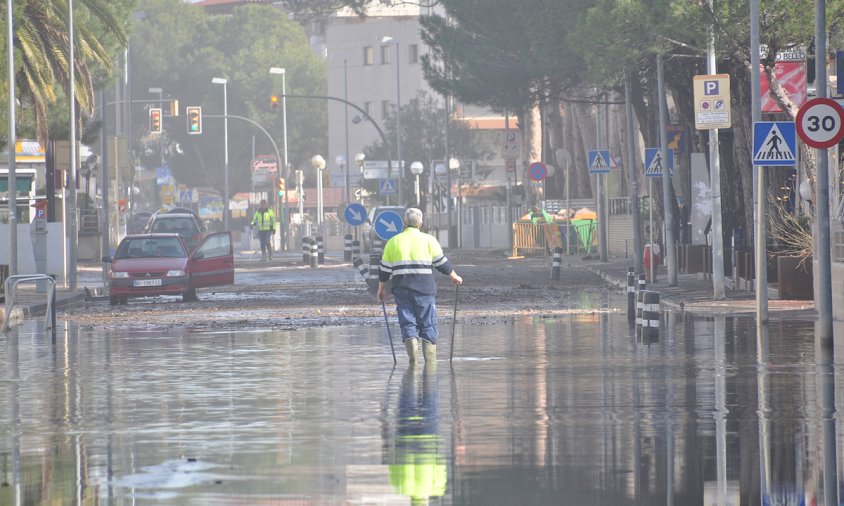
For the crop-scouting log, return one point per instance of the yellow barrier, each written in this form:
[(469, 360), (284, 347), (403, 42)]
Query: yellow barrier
[(528, 237)]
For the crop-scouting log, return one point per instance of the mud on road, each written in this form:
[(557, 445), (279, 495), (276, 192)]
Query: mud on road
[(284, 294)]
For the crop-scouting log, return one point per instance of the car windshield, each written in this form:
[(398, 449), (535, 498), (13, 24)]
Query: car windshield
[(179, 225), (151, 247)]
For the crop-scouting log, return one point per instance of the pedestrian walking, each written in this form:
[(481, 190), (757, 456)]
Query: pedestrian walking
[(409, 260), (264, 220)]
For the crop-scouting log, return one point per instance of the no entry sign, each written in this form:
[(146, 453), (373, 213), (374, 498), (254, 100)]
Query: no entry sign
[(819, 123)]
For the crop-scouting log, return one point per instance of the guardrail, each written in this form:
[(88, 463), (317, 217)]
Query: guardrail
[(11, 285)]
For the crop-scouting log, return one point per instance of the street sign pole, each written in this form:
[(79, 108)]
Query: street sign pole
[(632, 177), (667, 205), (602, 245), (718, 288), (760, 240)]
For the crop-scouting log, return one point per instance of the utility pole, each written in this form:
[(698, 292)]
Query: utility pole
[(632, 175), (667, 206), (718, 289)]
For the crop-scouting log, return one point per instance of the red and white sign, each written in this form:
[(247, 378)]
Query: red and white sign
[(792, 77), (819, 123), (262, 164)]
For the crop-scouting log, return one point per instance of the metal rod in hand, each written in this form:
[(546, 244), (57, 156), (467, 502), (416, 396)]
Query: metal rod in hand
[(453, 323), (389, 333)]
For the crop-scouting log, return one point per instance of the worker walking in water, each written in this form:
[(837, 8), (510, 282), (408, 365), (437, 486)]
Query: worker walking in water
[(409, 260)]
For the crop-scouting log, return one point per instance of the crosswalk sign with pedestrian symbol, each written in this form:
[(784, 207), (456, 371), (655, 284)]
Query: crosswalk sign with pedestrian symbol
[(599, 161), (774, 143), (655, 165)]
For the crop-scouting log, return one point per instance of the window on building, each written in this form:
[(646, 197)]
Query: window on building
[(413, 53), (385, 55), (367, 106), (367, 55), (385, 109)]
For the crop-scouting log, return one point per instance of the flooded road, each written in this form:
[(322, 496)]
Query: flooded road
[(535, 410)]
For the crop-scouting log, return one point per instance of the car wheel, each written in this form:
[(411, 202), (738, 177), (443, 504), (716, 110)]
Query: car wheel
[(113, 300), (189, 295)]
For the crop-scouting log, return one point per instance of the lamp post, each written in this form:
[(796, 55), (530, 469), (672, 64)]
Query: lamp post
[(454, 165), (439, 171), (224, 82), (73, 219), (398, 116), (284, 164), (12, 183), (318, 163), (416, 168), (359, 159)]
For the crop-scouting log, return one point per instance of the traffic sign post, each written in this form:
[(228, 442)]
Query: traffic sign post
[(388, 224), (387, 186), (599, 161), (712, 101), (655, 165), (354, 214), (819, 123), (774, 143)]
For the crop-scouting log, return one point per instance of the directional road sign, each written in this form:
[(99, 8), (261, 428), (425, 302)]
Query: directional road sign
[(655, 165), (537, 171), (819, 123), (355, 214), (599, 161), (387, 186), (388, 224), (774, 143)]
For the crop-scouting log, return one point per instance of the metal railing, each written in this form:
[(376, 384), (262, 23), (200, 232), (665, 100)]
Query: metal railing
[(11, 286)]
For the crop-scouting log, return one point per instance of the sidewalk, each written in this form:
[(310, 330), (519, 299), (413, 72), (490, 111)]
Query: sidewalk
[(693, 294)]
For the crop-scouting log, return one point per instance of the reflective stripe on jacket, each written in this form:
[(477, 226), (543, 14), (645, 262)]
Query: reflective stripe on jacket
[(410, 258), (264, 220)]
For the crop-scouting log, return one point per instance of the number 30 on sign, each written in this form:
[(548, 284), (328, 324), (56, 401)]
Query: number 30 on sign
[(819, 123)]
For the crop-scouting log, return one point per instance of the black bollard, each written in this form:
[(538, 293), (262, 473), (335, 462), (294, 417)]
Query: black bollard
[(374, 270), (320, 250), (314, 253), (631, 294), (355, 249), (555, 264), (650, 317), (640, 303), (347, 247), (306, 251), (362, 269)]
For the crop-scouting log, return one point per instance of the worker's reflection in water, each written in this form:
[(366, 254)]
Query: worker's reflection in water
[(418, 470)]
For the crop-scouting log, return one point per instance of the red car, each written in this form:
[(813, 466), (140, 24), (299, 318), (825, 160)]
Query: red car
[(160, 264)]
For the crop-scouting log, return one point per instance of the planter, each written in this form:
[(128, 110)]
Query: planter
[(795, 280)]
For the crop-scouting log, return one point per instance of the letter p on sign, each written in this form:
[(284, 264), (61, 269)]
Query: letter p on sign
[(710, 88)]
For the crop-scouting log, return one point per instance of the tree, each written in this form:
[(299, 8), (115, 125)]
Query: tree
[(240, 47)]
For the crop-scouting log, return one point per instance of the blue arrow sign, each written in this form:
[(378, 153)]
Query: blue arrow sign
[(387, 186), (774, 143), (655, 165), (355, 214), (599, 161), (388, 224)]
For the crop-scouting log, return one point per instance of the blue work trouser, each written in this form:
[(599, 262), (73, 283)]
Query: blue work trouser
[(265, 236), (417, 315)]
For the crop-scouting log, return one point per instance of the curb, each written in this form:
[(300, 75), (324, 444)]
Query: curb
[(20, 313)]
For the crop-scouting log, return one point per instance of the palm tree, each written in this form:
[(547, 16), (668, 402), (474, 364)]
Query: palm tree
[(42, 43)]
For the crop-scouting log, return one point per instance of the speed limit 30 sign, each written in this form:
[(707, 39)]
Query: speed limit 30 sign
[(819, 123)]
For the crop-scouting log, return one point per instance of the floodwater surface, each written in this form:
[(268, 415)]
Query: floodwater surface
[(567, 410)]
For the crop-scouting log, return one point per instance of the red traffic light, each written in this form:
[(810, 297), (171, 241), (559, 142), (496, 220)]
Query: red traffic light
[(155, 121)]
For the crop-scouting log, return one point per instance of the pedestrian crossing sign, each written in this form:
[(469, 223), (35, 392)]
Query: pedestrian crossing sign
[(654, 164), (599, 161), (387, 186), (774, 143)]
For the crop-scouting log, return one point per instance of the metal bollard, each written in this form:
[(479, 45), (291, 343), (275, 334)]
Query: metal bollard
[(631, 294), (650, 317), (555, 264), (362, 269), (378, 244), (374, 270), (320, 250), (642, 285), (347, 247), (640, 305), (314, 254), (355, 249), (306, 251)]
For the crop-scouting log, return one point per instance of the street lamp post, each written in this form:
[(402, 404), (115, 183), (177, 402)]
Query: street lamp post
[(284, 164), (318, 163), (359, 159), (73, 219), (398, 116), (12, 183), (224, 82), (416, 168)]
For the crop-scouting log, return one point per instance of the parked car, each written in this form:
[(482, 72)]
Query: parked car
[(369, 235), (161, 264), (138, 222), (187, 225)]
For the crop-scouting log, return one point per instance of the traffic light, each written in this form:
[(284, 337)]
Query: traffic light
[(274, 102), (281, 186), (194, 120), (155, 121)]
